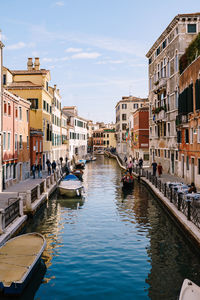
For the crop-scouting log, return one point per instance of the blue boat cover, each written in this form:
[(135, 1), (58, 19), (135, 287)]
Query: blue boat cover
[(70, 177)]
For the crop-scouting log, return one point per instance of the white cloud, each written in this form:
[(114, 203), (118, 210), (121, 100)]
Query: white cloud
[(20, 45), (86, 55), (59, 3), (73, 50)]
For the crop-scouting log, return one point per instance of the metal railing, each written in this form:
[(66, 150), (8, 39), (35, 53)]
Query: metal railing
[(11, 212), (34, 194), (190, 208)]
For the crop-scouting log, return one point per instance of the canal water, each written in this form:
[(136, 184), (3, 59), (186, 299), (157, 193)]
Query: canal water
[(113, 245)]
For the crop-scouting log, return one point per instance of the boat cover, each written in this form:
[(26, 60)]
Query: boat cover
[(70, 177)]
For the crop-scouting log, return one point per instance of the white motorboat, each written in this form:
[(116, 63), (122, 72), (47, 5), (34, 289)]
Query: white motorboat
[(189, 291), (70, 186), (18, 259)]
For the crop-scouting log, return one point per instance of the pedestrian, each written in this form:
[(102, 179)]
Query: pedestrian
[(33, 169), (160, 168), (192, 188), (49, 167), (53, 166), (61, 160), (39, 169), (130, 167), (154, 165), (140, 162)]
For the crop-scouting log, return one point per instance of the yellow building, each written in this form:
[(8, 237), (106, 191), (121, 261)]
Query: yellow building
[(109, 138), (33, 84)]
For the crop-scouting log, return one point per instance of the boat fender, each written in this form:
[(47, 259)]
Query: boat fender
[(77, 192)]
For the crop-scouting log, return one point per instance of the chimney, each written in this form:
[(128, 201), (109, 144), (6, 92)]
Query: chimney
[(37, 63), (30, 64), (54, 86)]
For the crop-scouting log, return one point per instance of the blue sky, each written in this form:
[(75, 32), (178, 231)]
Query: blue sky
[(95, 49)]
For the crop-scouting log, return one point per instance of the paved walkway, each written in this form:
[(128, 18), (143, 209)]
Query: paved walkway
[(9, 195)]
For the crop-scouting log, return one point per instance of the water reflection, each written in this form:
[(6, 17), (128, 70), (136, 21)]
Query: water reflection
[(115, 244)]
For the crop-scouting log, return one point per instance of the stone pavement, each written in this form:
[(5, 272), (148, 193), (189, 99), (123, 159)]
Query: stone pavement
[(9, 195), (168, 177)]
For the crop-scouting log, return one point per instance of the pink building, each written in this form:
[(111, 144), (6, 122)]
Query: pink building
[(16, 139)]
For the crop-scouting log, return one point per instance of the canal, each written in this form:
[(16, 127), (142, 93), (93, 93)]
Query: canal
[(113, 245)]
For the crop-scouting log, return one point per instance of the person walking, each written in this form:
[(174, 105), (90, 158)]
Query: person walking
[(48, 166), (130, 167), (39, 169), (140, 162), (53, 166), (192, 188), (154, 166), (160, 168), (33, 169)]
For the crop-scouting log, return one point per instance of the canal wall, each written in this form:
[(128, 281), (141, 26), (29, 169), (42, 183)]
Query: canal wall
[(173, 205), (18, 206)]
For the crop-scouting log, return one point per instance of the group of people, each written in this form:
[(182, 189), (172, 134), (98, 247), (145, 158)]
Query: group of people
[(133, 162), (157, 167), (51, 167)]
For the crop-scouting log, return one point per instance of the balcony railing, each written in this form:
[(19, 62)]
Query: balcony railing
[(181, 119), (161, 115), (160, 84)]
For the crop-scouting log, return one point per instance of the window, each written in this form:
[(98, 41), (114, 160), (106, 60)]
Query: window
[(158, 152), (47, 85), (5, 107), (44, 104), (15, 141), (27, 139), (164, 44), (198, 136), (4, 141), (165, 153), (168, 153), (20, 113), (20, 142), (4, 79), (191, 28), (34, 102), (198, 166), (191, 135), (123, 117), (176, 99), (176, 155), (36, 146), (187, 163), (40, 146), (123, 126), (9, 109), (186, 136), (8, 140), (176, 62), (124, 106), (155, 152), (16, 113), (135, 105), (47, 107), (168, 128), (27, 116), (179, 137)]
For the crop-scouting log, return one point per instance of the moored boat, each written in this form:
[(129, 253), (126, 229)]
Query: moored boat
[(18, 259), (78, 174), (71, 186), (189, 291)]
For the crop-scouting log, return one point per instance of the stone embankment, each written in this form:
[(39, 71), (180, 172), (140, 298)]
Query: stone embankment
[(184, 211), (22, 200)]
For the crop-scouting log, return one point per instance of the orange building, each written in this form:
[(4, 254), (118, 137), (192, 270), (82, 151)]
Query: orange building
[(16, 139), (188, 123), (140, 133), (98, 139)]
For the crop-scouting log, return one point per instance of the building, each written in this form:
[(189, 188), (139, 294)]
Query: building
[(98, 139), (163, 59), (16, 139), (77, 133), (109, 138), (56, 124), (36, 146), (33, 85), (1, 113), (188, 123), (139, 135), (124, 108)]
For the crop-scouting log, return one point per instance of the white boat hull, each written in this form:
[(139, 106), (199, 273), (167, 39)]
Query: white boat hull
[(189, 291), (71, 189)]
